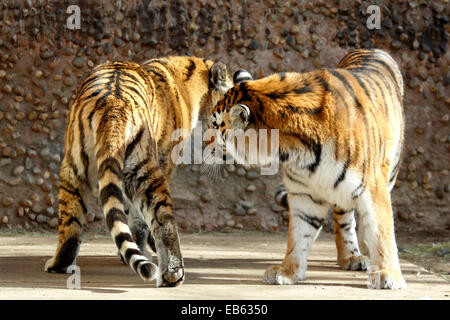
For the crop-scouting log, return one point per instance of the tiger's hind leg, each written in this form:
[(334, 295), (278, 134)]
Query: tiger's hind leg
[(71, 218), (349, 256), (149, 191), (377, 221)]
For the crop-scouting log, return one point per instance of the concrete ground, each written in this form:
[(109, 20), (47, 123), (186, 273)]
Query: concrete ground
[(218, 266)]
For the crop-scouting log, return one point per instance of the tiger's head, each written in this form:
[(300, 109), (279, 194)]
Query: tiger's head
[(236, 132)]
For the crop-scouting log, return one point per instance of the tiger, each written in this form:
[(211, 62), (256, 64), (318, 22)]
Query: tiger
[(118, 149), (340, 135)]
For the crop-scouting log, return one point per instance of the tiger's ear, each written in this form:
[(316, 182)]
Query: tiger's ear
[(241, 75), (219, 78), (240, 116)]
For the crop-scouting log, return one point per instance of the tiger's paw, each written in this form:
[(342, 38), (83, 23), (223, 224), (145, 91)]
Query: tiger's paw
[(385, 279), (51, 266), (282, 276), (172, 278), (355, 263)]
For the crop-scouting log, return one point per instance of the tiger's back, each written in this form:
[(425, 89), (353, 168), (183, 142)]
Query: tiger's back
[(372, 79)]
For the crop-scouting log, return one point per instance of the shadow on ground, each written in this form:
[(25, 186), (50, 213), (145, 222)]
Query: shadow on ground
[(106, 274)]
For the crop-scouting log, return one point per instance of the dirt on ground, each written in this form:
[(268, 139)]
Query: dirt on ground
[(430, 252), (218, 266)]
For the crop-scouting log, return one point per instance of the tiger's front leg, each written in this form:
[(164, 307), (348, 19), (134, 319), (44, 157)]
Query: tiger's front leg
[(306, 216)]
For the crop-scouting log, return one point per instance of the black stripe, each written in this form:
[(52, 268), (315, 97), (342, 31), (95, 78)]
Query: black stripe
[(313, 221), (343, 225), (376, 69), (376, 84), (71, 220), (93, 94), (136, 81), (136, 92), (362, 85), (136, 264), (302, 90), (95, 77), (388, 68), (394, 171), (151, 189), (284, 155), (159, 204), (359, 107), (131, 252), (83, 155), (341, 212), (111, 80), (322, 82), (63, 213), (190, 69), (114, 215), (130, 176), (159, 76), (260, 105), (276, 95), (349, 89), (111, 190), (366, 91), (316, 201), (317, 150), (113, 165), (117, 88), (77, 194), (99, 104), (243, 89), (284, 198), (132, 145), (355, 194), (121, 238), (146, 176), (341, 176), (290, 177), (314, 111)]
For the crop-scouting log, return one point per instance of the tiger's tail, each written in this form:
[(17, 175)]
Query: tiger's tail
[(110, 157)]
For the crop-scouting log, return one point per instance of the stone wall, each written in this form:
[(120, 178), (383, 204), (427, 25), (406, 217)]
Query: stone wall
[(41, 63)]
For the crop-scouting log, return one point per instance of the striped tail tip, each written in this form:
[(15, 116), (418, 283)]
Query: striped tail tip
[(147, 270)]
